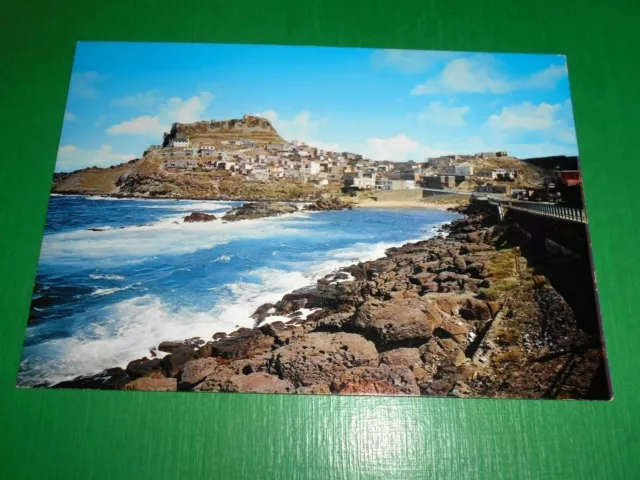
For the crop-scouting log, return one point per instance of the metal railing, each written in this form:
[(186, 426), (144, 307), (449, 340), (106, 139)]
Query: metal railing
[(542, 208)]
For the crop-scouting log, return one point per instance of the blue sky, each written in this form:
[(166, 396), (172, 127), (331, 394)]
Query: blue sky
[(386, 104)]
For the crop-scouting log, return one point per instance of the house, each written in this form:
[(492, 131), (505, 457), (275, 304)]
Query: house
[(312, 168), (225, 142), (180, 140), (464, 169), (238, 143), (225, 165), (248, 143), (492, 174), (500, 189), (181, 164), (401, 184), (358, 181), (487, 154), (501, 154), (431, 181)]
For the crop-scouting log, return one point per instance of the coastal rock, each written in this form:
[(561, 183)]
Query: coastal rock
[(173, 363), (245, 344), (475, 310), (402, 357), (110, 379), (319, 357), (379, 380), (194, 371), (144, 367), (169, 347), (214, 381), (153, 384), (199, 217), (250, 211), (325, 204), (262, 312), (259, 382), (400, 323)]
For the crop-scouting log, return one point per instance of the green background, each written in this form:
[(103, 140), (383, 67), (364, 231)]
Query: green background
[(87, 434)]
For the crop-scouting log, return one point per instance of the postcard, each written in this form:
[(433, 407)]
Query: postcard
[(314, 220)]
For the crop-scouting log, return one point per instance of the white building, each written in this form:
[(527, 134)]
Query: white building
[(180, 141), (464, 169), (312, 168)]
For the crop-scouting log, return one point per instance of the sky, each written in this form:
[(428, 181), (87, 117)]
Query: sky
[(384, 104)]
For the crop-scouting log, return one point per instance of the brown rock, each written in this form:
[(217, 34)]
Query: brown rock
[(403, 322), (169, 347), (219, 335), (143, 367), (459, 263), (173, 363), (475, 310), (319, 357), (320, 389), (401, 357), (195, 371), (452, 330), (153, 384), (199, 217), (380, 380), (245, 344), (257, 383)]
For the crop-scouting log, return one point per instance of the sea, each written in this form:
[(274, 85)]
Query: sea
[(106, 296)]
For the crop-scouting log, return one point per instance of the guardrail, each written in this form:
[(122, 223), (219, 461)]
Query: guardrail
[(542, 208)]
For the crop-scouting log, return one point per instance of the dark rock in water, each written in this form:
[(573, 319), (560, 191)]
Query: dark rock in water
[(143, 367), (325, 204), (199, 217), (111, 379), (219, 335), (173, 362), (261, 313), (195, 371), (97, 229), (169, 347), (250, 211)]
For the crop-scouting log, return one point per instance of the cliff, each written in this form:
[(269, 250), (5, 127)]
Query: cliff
[(249, 127)]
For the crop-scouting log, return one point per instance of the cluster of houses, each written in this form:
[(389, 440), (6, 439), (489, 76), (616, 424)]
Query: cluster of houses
[(306, 164)]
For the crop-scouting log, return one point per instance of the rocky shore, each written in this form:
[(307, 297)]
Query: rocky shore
[(461, 315)]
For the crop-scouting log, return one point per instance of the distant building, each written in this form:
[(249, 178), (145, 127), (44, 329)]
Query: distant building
[(358, 181), (501, 154), (180, 140), (464, 169), (181, 164), (487, 154), (312, 168), (492, 174)]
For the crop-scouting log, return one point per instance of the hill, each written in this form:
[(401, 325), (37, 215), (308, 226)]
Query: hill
[(557, 162), (213, 132)]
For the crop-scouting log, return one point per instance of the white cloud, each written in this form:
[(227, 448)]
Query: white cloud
[(439, 114), (83, 84), (175, 110), (480, 74), (397, 148), (69, 116), (187, 111), (138, 100), (408, 61), (270, 115), (525, 116), (72, 158), (144, 125)]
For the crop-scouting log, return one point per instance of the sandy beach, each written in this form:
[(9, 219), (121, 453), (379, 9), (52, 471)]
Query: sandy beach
[(404, 204)]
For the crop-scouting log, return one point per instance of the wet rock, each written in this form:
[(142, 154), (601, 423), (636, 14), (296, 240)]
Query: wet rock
[(144, 367), (219, 335), (323, 204), (169, 347), (173, 363), (320, 356), (250, 211), (199, 217), (262, 312), (153, 384), (110, 379)]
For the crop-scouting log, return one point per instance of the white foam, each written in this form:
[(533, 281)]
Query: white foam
[(98, 276), (109, 291), (223, 258)]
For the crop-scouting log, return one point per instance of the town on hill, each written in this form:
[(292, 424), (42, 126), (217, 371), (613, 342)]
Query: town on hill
[(247, 159)]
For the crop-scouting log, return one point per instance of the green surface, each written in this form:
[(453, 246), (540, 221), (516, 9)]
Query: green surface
[(118, 435)]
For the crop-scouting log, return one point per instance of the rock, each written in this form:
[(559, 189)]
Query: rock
[(169, 347), (334, 322), (173, 363), (261, 313), (319, 357), (400, 323), (214, 381), (199, 217), (250, 211), (320, 389), (452, 330), (328, 204), (219, 335), (153, 384), (402, 357), (449, 304), (194, 371), (259, 382), (245, 344), (475, 310), (144, 367), (459, 263), (110, 379), (380, 380), (97, 229)]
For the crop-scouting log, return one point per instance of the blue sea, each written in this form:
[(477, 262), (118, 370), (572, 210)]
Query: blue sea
[(103, 298)]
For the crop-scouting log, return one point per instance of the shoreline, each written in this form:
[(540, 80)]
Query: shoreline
[(402, 204)]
